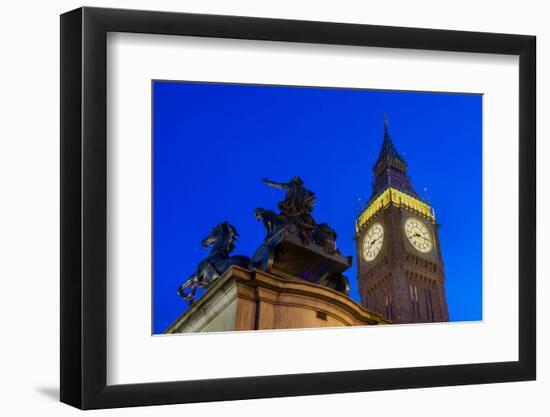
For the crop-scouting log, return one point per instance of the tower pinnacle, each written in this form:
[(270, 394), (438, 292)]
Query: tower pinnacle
[(390, 169)]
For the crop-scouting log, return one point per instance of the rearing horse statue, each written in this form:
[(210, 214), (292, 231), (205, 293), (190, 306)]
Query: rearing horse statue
[(222, 238)]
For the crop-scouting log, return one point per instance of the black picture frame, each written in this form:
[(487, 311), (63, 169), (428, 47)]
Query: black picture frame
[(84, 207)]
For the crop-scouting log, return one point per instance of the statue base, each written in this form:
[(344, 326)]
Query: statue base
[(254, 300)]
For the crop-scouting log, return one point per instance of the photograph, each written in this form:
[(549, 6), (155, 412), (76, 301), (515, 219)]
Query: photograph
[(291, 207)]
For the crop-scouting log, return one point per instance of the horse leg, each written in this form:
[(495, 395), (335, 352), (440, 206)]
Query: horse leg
[(191, 282), (191, 297)]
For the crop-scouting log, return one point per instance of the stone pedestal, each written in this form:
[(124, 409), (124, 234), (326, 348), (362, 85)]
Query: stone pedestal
[(257, 300)]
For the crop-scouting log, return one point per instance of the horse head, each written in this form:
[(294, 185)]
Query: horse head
[(271, 221), (222, 236), (264, 215)]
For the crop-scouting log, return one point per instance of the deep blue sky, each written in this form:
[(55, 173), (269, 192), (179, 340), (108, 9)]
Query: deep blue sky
[(213, 144)]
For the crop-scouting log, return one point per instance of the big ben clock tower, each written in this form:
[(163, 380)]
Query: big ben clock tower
[(400, 267)]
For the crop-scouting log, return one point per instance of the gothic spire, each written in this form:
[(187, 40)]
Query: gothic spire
[(390, 169), (388, 151)]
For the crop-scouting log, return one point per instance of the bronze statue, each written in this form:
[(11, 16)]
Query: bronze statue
[(325, 236), (298, 199), (295, 217), (274, 223), (295, 245), (222, 238), (297, 206)]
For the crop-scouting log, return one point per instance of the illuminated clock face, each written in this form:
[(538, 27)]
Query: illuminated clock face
[(418, 234), (372, 242)]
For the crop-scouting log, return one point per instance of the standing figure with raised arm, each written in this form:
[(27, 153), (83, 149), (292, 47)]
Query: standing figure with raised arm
[(297, 206)]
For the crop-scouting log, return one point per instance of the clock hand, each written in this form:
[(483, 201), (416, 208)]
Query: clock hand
[(420, 236)]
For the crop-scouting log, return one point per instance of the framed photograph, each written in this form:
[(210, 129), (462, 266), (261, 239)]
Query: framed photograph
[(258, 208)]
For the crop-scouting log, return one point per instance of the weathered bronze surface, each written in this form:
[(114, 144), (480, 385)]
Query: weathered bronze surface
[(296, 207), (289, 257), (295, 245), (222, 238)]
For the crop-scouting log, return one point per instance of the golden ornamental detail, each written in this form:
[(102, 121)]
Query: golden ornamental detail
[(398, 198)]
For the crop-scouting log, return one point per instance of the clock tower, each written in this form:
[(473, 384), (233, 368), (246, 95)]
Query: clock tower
[(399, 262)]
